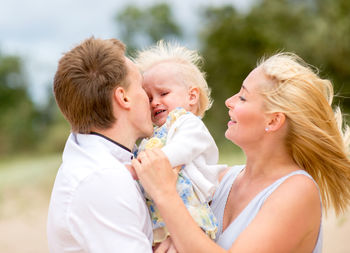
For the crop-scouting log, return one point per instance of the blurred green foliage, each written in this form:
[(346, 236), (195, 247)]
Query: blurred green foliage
[(145, 26), (24, 127), (17, 114), (231, 42)]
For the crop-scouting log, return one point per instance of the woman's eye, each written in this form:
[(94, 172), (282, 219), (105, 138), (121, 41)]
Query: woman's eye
[(242, 98)]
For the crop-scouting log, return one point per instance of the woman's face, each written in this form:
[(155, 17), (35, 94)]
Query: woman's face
[(248, 119)]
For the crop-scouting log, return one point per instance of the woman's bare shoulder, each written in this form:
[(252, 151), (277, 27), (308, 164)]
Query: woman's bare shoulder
[(299, 193), (292, 214)]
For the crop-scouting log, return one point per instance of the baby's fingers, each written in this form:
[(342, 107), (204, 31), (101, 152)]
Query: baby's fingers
[(164, 246), (172, 249), (132, 171), (136, 165), (177, 169)]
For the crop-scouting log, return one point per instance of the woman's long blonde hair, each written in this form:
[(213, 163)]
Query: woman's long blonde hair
[(317, 138)]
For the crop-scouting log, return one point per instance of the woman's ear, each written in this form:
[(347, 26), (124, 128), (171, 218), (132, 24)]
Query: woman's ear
[(121, 98), (276, 121), (193, 96)]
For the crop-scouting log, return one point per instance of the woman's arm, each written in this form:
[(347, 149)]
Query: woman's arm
[(288, 221)]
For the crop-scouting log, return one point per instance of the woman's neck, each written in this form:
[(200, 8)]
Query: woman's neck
[(271, 161)]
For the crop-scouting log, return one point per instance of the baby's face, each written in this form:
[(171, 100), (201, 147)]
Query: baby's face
[(165, 91)]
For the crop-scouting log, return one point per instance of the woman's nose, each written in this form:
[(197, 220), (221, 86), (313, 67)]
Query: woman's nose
[(230, 102)]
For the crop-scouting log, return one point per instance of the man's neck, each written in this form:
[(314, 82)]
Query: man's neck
[(119, 136), (113, 141)]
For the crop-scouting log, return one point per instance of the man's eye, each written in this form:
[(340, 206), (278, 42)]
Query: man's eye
[(242, 98)]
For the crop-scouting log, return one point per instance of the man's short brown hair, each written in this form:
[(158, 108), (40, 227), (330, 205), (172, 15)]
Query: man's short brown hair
[(85, 80)]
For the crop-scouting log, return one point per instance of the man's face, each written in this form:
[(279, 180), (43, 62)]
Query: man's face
[(140, 114)]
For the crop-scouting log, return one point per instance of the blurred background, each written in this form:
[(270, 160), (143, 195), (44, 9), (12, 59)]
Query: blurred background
[(231, 35)]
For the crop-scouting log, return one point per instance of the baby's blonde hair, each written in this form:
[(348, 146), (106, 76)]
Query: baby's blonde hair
[(188, 62), (317, 139)]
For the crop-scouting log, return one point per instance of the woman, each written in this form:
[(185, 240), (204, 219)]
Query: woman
[(297, 155)]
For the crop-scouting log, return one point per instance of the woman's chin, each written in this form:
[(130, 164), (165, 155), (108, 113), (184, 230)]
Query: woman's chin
[(229, 136)]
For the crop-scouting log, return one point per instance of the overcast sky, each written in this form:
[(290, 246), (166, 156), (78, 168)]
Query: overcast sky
[(41, 30)]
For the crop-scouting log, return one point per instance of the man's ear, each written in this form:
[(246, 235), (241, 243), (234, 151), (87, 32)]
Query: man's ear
[(121, 98), (276, 121), (193, 95)]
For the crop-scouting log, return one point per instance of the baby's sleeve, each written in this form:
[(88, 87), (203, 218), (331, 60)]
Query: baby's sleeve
[(190, 143), (187, 138)]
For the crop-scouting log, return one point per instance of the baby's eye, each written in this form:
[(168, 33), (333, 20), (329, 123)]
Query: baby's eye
[(164, 93), (242, 98), (150, 99)]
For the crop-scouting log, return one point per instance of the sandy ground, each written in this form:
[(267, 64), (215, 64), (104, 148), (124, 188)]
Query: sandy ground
[(23, 223), (336, 233)]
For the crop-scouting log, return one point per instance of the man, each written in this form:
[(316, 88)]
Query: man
[(96, 206)]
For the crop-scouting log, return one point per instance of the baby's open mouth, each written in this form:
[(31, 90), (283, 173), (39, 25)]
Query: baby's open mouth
[(160, 111)]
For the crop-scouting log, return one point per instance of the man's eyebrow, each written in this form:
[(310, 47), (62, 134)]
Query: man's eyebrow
[(244, 88)]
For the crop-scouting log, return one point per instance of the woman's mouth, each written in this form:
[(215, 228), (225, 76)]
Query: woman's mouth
[(231, 122)]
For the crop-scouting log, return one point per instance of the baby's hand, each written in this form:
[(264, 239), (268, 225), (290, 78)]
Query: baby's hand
[(165, 246), (132, 171), (155, 173)]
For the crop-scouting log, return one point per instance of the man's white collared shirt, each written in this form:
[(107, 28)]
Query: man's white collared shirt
[(96, 206)]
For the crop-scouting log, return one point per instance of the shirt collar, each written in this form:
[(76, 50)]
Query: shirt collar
[(97, 141), (109, 139)]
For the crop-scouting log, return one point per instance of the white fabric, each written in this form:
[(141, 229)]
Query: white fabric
[(189, 143), (96, 206)]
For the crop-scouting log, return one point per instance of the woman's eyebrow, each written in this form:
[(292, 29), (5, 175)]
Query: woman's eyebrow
[(244, 88)]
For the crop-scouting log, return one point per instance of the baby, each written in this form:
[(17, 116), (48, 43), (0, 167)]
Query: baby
[(179, 97)]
